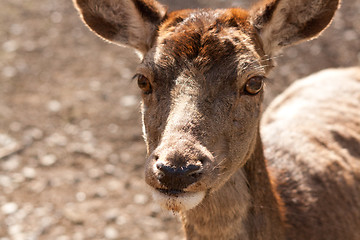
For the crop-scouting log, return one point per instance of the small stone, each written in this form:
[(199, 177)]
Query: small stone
[(59, 230), (91, 233), (113, 128), (95, 173), (11, 164), (57, 139), (80, 196), (121, 220), (38, 186), (56, 17), (54, 106), (71, 129), (35, 133), (48, 160), (8, 146), (5, 140), (125, 157), (88, 148), (16, 29), (100, 193), (111, 233), (129, 101), (9, 72), (9, 208), (29, 173), (15, 230), (29, 45), (72, 215), (46, 223), (95, 85), (15, 126), (112, 214), (21, 214), (160, 236), (5, 181), (63, 238), (85, 123), (44, 210), (114, 158), (55, 182), (114, 185), (109, 169), (17, 178), (140, 199), (21, 236), (315, 49), (78, 236), (10, 190), (86, 136), (350, 35), (22, 66), (10, 46)]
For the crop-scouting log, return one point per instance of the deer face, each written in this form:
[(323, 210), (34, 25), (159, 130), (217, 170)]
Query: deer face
[(201, 80), (202, 88)]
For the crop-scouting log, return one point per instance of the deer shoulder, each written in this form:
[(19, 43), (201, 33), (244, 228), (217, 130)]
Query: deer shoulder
[(311, 136)]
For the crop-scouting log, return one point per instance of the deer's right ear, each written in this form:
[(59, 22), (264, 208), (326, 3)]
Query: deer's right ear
[(130, 23)]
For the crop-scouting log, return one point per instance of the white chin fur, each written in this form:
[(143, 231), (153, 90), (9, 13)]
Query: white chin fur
[(181, 202)]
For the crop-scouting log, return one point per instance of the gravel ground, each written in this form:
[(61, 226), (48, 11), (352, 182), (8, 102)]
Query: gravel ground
[(71, 151)]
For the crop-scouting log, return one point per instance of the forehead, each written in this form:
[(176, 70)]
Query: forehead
[(208, 40)]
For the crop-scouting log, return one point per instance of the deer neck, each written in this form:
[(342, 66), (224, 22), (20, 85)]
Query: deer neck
[(245, 207)]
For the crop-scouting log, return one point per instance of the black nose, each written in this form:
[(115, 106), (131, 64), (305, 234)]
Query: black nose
[(178, 178)]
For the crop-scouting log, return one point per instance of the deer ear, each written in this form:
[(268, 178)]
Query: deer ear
[(130, 23), (282, 23)]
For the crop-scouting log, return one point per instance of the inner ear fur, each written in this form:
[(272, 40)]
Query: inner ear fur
[(130, 23), (283, 23)]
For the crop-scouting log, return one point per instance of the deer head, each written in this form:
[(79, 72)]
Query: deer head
[(201, 79)]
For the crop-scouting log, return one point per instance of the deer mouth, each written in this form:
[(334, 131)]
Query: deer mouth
[(171, 192), (177, 200)]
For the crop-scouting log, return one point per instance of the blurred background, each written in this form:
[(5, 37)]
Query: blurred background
[(71, 151)]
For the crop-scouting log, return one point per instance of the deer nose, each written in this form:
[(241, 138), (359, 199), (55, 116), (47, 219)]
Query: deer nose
[(178, 178)]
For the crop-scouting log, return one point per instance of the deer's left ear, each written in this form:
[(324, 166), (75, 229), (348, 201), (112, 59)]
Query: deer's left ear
[(282, 23), (130, 23)]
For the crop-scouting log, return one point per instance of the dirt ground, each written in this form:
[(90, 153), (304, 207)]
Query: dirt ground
[(71, 150)]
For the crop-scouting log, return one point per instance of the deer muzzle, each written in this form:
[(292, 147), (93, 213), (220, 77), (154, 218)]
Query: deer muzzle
[(176, 171)]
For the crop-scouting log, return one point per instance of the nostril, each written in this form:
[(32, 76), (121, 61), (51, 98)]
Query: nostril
[(189, 170), (196, 174), (192, 170), (160, 166), (165, 169), (203, 160), (160, 175)]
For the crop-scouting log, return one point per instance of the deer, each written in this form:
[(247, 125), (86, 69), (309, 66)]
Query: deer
[(228, 170)]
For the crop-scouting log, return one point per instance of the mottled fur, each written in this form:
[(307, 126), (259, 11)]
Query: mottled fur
[(198, 116)]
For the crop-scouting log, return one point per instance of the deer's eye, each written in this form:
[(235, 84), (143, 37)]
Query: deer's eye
[(144, 84), (254, 85)]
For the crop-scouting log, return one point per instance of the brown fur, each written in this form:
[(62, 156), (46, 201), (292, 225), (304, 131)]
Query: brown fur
[(201, 126), (322, 197)]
